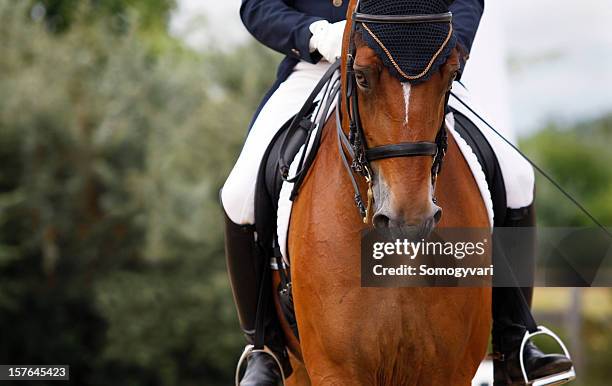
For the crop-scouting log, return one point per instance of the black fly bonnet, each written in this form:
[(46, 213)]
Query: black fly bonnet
[(411, 48)]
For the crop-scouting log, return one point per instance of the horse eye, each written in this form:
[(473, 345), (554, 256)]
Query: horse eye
[(361, 79)]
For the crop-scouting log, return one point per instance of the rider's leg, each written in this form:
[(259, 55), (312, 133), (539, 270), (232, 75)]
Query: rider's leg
[(508, 325), (245, 265)]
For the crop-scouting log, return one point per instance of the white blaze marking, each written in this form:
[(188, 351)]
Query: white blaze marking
[(406, 87)]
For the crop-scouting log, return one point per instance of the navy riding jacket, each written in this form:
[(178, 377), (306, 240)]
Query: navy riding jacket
[(283, 25)]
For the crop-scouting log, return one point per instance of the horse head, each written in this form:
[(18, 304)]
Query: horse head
[(401, 98)]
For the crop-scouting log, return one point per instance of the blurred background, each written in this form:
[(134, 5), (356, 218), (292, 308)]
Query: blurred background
[(119, 120)]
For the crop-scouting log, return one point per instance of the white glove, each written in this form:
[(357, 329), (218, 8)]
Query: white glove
[(327, 39)]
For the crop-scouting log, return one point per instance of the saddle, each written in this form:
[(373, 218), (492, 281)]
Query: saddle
[(281, 151), (487, 160), (267, 195), (270, 181)]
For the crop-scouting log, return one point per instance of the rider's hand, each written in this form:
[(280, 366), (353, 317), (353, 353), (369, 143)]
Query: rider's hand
[(327, 39)]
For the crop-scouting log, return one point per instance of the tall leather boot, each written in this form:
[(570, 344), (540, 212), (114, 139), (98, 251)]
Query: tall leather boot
[(246, 269), (508, 326)]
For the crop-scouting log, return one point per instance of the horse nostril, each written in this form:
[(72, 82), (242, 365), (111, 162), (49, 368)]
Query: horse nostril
[(438, 215), (380, 221)]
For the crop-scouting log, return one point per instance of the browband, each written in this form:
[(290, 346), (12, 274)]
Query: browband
[(446, 17)]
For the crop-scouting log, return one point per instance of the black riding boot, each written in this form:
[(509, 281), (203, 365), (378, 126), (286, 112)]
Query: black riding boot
[(508, 325), (508, 333), (245, 267)]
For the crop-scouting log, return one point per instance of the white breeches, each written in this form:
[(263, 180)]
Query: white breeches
[(238, 193)]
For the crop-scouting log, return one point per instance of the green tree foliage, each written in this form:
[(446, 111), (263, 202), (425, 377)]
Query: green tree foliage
[(148, 18), (579, 158), (60, 14), (111, 256)]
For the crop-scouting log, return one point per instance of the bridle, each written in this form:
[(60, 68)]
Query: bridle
[(355, 145)]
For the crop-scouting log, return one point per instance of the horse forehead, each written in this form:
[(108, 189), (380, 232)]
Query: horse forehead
[(366, 56)]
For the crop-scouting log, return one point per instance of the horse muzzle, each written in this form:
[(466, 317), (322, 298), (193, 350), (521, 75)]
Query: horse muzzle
[(415, 230), (418, 221)]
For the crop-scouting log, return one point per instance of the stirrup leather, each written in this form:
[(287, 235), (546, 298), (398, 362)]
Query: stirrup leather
[(555, 379), (250, 349)]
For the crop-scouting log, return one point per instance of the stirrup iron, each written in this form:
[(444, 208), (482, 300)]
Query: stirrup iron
[(555, 379), (250, 349)]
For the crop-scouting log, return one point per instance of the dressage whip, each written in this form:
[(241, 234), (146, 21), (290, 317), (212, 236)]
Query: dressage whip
[(539, 169)]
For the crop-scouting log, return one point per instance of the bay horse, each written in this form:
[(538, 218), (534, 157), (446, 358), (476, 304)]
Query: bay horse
[(351, 335)]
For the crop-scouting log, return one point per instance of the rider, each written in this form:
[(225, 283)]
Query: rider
[(309, 33)]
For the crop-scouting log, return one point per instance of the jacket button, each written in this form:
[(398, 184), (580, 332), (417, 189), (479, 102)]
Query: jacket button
[(337, 3), (295, 52)]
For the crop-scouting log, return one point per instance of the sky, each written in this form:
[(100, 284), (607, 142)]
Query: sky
[(553, 58)]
